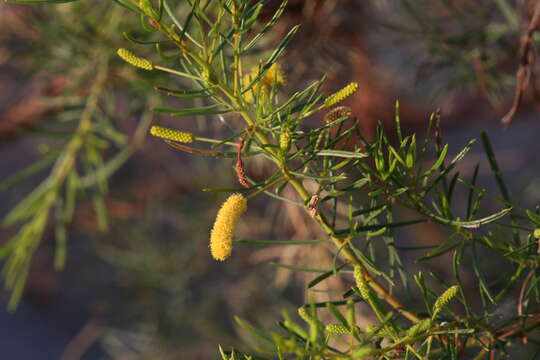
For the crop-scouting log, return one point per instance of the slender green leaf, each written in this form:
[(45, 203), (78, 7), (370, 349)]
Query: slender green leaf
[(205, 110), (27, 172), (280, 242), (186, 93), (341, 153), (438, 162), (273, 58), (252, 330), (327, 274), (266, 27), (473, 224), (319, 177), (299, 268)]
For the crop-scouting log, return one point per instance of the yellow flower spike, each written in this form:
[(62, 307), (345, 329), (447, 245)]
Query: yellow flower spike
[(226, 219), (536, 233), (134, 60), (444, 299), (171, 134), (341, 95)]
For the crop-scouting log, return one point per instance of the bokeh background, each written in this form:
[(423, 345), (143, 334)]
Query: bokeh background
[(147, 287)]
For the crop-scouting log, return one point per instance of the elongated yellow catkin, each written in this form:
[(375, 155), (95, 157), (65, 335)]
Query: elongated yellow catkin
[(171, 134), (226, 220), (337, 329), (361, 282), (444, 299), (134, 60), (341, 94)]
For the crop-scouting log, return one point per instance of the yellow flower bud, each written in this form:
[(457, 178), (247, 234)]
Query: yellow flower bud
[(361, 282), (171, 134), (536, 233), (285, 142), (337, 329), (302, 312), (134, 60), (341, 94), (226, 219)]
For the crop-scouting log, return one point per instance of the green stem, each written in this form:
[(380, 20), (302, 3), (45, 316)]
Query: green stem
[(175, 72)]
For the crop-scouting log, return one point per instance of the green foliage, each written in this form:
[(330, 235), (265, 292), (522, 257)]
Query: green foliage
[(210, 47), (87, 145), (466, 44)]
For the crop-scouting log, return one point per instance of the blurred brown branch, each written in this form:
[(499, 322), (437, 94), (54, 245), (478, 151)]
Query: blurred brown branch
[(525, 70)]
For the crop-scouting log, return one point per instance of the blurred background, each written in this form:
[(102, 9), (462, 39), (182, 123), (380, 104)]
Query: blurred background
[(138, 280)]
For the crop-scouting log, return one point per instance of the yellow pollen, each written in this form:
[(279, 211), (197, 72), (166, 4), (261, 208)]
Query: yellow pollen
[(257, 90), (273, 76)]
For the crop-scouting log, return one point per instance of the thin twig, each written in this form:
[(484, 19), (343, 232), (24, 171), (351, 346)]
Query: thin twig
[(524, 72), (84, 339), (524, 340), (522, 293), (192, 150), (518, 327)]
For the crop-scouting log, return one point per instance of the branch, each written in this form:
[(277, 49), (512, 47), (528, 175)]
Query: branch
[(523, 75)]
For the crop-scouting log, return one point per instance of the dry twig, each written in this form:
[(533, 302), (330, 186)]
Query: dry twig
[(525, 70)]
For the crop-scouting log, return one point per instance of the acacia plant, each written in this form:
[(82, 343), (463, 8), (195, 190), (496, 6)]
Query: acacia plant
[(355, 190)]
